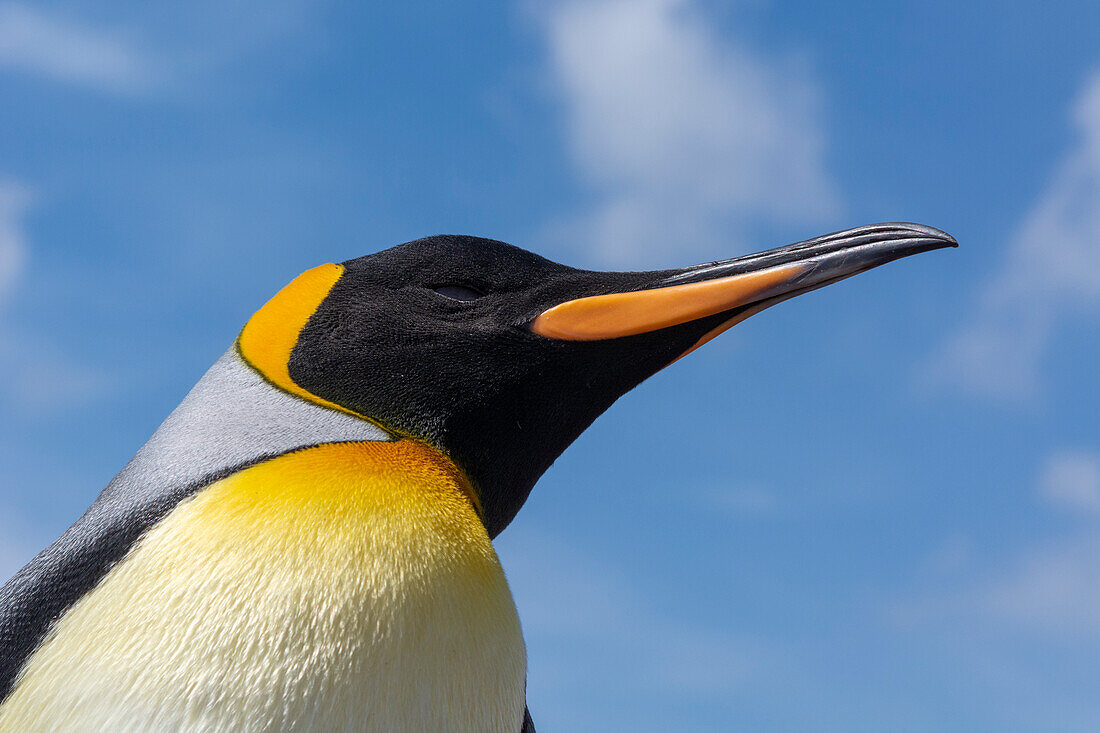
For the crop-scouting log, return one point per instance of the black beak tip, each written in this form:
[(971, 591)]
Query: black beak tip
[(940, 237)]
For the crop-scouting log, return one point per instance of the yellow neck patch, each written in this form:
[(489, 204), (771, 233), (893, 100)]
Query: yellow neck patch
[(271, 334)]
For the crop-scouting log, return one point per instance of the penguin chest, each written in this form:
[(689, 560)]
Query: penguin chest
[(346, 587)]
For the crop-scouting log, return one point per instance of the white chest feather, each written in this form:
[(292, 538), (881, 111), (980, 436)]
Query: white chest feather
[(346, 587)]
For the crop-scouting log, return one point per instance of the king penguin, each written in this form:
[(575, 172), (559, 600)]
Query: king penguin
[(305, 542)]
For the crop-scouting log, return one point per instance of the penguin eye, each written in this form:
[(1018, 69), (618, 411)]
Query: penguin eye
[(458, 292)]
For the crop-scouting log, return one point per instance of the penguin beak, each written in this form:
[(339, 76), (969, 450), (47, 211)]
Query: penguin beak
[(741, 287)]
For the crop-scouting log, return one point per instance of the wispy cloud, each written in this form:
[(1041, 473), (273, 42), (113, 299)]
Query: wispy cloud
[(1021, 634), (1050, 587), (60, 48), (14, 200), (1051, 274), (685, 136), (1071, 479), (1047, 590)]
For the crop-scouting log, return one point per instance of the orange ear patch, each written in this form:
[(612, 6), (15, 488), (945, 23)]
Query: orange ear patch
[(628, 314), (271, 334)]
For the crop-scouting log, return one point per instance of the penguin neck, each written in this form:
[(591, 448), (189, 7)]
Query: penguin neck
[(232, 418), (357, 574)]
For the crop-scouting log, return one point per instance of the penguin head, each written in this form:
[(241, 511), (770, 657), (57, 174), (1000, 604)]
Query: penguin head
[(501, 358)]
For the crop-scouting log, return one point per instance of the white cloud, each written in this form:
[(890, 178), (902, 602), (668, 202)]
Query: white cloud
[(1047, 591), (1052, 589), (50, 45), (1021, 636), (185, 47), (1071, 479), (683, 134), (1052, 272)]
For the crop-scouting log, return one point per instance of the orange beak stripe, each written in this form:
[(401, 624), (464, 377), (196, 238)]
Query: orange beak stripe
[(628, 314)]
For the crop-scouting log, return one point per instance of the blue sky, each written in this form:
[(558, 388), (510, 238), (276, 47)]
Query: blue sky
[(873, 508)]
